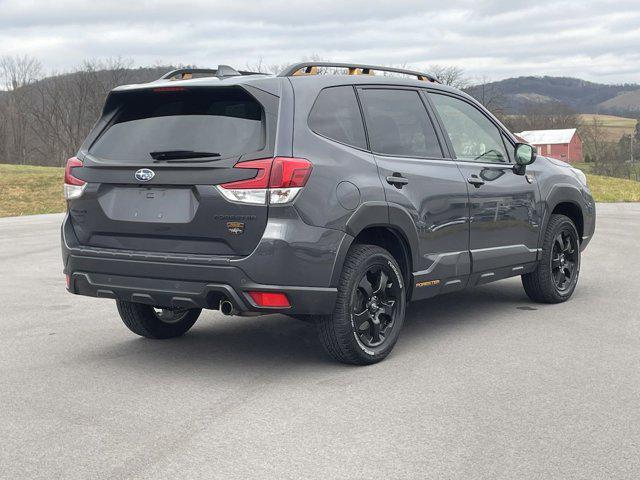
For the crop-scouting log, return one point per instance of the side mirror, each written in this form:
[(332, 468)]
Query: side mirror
[(525, 154)]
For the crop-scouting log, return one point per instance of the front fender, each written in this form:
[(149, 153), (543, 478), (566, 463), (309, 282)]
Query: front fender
[(579, 197)]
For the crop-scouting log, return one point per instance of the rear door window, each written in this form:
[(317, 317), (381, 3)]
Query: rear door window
[(398, 123), (336, 115), (224, 121)]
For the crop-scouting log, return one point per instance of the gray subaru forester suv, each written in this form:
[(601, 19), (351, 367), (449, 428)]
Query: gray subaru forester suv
[(334, 193)]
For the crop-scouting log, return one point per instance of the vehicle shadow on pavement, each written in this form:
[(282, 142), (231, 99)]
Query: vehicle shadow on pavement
[(227, 343), (472, 305)]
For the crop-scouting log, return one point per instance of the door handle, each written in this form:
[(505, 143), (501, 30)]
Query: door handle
[(397, 180), (475, 181)]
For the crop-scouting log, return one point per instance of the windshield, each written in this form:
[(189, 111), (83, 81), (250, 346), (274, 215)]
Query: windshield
[(224, 121)]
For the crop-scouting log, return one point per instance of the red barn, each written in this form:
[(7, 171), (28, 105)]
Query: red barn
[(563, 144)]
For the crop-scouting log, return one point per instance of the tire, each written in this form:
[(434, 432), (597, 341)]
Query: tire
[(145, 321), (560, 259), (367, 319)]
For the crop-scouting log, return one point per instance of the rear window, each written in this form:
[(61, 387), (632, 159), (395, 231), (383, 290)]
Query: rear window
[(398, 123), (227, 121), (336, 115)]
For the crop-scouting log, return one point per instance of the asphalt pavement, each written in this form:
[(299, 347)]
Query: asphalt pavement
[(482, 383)]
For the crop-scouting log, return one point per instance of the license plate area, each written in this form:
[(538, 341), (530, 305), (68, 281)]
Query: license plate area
[(149, 204)]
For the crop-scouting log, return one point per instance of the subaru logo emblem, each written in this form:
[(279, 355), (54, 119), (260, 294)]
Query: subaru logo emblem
[(144, 175)]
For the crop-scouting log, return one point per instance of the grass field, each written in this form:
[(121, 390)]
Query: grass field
[(614, 127), (26, 190), (610, 189)]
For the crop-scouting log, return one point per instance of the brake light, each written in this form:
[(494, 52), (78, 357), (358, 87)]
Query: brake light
[(261, 180), (73, 186), (289, 172), (270, 299), (169, 89), (277, 179)]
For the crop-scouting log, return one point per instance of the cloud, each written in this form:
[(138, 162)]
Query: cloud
[(495, 39)]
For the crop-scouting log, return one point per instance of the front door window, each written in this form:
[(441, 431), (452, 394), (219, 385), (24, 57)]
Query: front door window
[(473, 136)]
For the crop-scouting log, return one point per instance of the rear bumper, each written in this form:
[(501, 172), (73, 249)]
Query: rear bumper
[(195, 294), (179, 281)]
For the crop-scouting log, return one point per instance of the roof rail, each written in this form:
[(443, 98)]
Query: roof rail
[(311, 68), (223, 71)]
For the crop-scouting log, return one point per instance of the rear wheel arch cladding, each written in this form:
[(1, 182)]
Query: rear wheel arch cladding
[(375, 214)]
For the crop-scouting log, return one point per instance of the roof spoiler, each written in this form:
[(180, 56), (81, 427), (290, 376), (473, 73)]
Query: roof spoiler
[(311, 68), (223, 71)]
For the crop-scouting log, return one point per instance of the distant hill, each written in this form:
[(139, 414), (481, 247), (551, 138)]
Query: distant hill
[(629, 101), (519, 94)]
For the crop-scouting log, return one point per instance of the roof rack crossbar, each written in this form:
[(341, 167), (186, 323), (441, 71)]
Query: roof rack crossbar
[(311, 68), (223, 71)]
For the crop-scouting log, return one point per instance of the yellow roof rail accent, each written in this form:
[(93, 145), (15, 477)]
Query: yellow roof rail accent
[(360, 71), (311, 68)]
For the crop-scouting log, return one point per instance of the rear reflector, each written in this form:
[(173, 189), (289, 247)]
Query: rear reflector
[(270, 299), (277, 179), (73, 186)]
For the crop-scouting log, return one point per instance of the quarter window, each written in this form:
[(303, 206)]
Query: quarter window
[(473, 136), (336, 115), (398, 123)]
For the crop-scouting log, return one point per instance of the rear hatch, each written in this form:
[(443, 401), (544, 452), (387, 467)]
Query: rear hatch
[(152, 164)]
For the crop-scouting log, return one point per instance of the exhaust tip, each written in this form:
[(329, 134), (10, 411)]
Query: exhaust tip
[(227, 308)]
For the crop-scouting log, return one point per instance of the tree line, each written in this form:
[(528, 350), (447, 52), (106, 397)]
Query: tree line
[(44, 119)]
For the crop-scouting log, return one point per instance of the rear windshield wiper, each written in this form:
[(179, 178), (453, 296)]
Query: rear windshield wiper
[(170, 155)]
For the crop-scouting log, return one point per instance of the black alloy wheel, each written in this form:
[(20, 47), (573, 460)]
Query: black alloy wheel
[(374, 306), (564, 260), (369, 309), (156, 322), (167, 315), (556, 275)]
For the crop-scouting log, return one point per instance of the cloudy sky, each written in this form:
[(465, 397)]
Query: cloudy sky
[(594, 40)]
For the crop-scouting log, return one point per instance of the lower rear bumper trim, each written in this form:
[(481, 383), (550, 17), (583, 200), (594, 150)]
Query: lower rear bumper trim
[(197, 294)]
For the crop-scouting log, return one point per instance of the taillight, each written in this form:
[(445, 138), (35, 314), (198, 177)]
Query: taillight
[(277, 179), (73, 186), (288, 176), (270, 299)]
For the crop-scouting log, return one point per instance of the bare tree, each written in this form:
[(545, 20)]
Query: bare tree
[(449, 75), (17, 73), (4, 128), (66, 106), (609, 158), (593, 136), (489, 95)]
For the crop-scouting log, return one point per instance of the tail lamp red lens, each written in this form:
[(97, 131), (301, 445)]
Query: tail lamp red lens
[(270, 299), (278, 179), (289, 172), (261, 179), (69, 179), (73, 186)]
